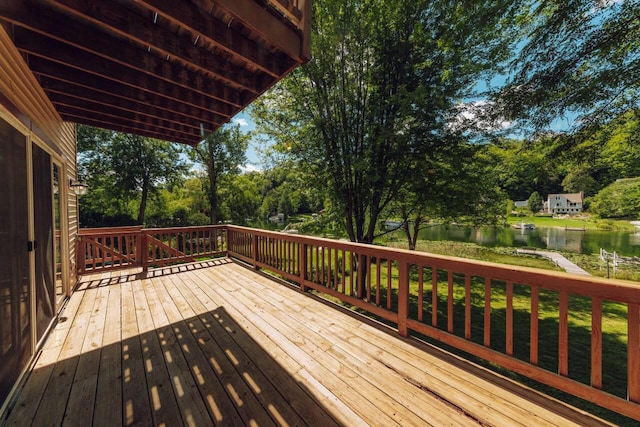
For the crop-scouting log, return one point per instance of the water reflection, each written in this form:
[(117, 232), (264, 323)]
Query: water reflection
[(587, 242)]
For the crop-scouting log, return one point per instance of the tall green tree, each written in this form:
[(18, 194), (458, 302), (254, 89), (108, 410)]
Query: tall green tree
[(535, 202), (121, 168), (446, 189), (221, 154), (380, 94)]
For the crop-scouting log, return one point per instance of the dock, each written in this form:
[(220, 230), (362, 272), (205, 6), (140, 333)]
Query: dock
[(558, 260)]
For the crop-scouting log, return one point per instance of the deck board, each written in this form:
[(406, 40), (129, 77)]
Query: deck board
[(218, 344)]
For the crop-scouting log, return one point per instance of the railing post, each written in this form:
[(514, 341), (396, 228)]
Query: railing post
[(143, 250), (302, 265), (403, 297), (254, 250), (80, 256)]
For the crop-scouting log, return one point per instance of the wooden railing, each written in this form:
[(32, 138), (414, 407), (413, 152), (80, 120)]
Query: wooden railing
[(165, 246), (102, 249), (495, 312), (488, 310)]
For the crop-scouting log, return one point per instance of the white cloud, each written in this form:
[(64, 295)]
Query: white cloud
[(477, 115), (241, 122), (250, 168)]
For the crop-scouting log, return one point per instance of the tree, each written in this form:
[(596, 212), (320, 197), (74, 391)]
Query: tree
[(578, 58), (221, 154), (450, 190), (142, 164), (241, 197), (618, 200), (378, 96), (121, 168), (579, 179), (535, 202), (523, 167)]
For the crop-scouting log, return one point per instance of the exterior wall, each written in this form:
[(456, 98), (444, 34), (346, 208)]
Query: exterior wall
[(22, 99), (561, 204)]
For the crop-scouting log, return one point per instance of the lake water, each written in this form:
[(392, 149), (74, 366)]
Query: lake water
[(587, 242)]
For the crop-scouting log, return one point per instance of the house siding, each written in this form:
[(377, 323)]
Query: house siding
[(565, 203), (25, 104)]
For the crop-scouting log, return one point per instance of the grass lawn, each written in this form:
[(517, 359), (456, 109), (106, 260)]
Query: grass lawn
[(575, 222)]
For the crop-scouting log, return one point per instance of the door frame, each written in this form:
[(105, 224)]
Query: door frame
[(32, 138)]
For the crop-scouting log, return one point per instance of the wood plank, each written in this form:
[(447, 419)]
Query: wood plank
[(164, 407), (221, 358), (415, 397), (34, 388), (202, 365), (287, 354), (633, 356), (487, 312), (188, 399), (426, 407), (377, 342), (81, 400), (563, 335), (227, 334), (108, 408), (50, 411), (373, 405), (596, 343), (267, 379), (136, 410)]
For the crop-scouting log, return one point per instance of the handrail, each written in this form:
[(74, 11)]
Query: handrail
[(432, 296), (452, 300), (100, 249)]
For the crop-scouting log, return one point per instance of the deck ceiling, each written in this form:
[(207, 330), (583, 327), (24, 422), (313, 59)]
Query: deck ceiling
[(166, 69)]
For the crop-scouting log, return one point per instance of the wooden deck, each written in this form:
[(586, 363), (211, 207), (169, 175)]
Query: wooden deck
[(215, 343)]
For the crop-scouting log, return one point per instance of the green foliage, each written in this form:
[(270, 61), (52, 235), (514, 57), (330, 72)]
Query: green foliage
[(579, 57), (364, 116), (221, 154), (522, 168), (240, 197), (535, 202), (123, 172), (618, 200)]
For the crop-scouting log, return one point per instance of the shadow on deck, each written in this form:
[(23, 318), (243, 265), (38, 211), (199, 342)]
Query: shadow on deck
[(213, 343)]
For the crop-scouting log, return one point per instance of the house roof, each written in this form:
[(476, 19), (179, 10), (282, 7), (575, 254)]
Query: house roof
[(166, 69), (572, 197)]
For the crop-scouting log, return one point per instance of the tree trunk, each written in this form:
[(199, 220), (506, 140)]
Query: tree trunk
[(213, 200), (143, 201)]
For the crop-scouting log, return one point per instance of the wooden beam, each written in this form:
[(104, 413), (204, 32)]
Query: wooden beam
[(113, 18), (66, 75), (38, 45), (136, 117), (59, 87), (255, 17), (147, 131), (195, 18), (84, 38), (288, 9)]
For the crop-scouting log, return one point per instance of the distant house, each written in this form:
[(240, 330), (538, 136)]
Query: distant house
[(521, 204), (565, 203)]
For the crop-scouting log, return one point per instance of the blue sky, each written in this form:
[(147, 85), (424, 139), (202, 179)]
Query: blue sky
[(248, 125)]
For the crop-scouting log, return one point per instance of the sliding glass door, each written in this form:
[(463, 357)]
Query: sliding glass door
[(32, 282), (15, 294)]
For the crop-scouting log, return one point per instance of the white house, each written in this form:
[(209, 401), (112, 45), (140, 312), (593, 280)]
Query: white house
[(565, 203)]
